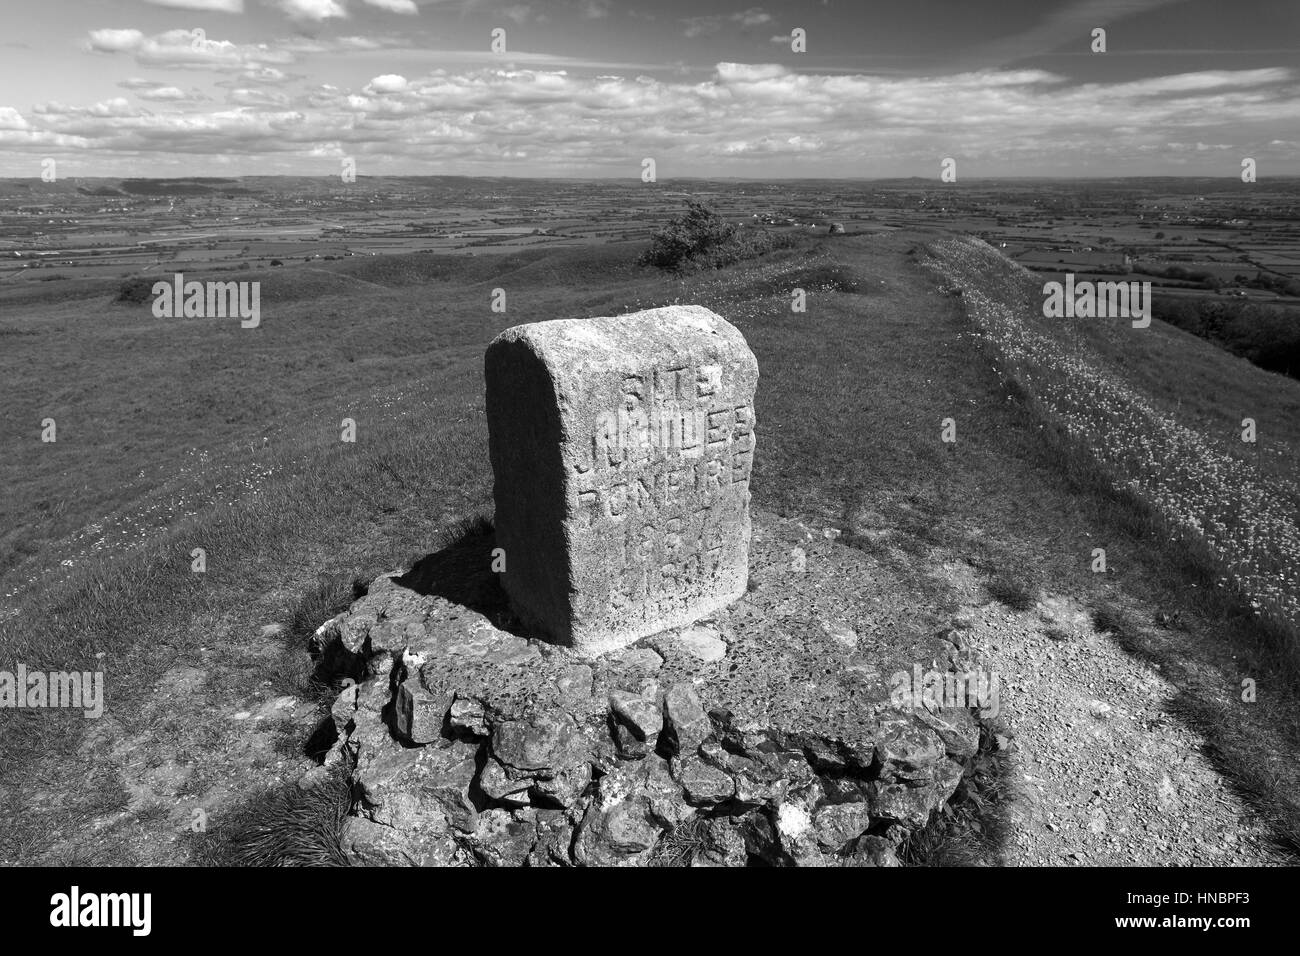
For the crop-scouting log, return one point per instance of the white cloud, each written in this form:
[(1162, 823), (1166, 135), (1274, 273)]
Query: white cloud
[(741, 118), (1207, 80), (339, 44), (258, 98), (193, 49), (115, 41), (215, 6), (775, 144), (11, 119), (265, 74), (165, 94), (747, 72), (115, 108), (136, 83), (315, 10), (388, 83), (394, 6)]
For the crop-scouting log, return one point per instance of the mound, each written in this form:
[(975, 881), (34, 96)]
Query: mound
[(769, 728)]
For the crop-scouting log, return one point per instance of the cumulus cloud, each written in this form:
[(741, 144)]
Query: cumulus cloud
[(115, 41), (302, 10), (115, 108), (163, 93), (11, 119), (750, 72), (775, 144), (741, 119), (388, 83), (194, 49)]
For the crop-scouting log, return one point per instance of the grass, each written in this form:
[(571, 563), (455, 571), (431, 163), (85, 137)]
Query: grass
[(683, 843), (284, 826), (976, 824), (850, 404), (332, 595), (1199, 581), (1233, 518), (175, 415)]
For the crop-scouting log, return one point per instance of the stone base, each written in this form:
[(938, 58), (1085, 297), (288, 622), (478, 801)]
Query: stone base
[(764, 732)]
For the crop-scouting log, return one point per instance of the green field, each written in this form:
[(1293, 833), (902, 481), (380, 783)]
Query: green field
[(176, 434)]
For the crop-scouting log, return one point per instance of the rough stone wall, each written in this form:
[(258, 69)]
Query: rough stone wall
[(765, 733)]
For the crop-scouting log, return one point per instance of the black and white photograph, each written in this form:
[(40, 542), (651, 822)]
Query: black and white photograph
[(651, 434)]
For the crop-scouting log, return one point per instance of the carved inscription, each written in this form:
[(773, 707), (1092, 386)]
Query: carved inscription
[(671, 438), (668, 471), (622, 449)]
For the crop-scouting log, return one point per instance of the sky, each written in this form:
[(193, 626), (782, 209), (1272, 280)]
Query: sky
[(592, 88)]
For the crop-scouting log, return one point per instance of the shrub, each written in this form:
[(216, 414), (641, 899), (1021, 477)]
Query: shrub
[(686, 237), (700, 238), (1268, 336), (135, 290), (747, 242)]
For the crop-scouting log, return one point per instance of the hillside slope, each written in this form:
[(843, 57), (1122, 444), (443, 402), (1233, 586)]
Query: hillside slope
[(1135, 746)]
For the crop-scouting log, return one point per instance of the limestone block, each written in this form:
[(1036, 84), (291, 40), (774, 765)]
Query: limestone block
[(621, 450)]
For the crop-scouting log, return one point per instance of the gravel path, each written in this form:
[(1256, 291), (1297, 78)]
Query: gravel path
[(1108, 777)]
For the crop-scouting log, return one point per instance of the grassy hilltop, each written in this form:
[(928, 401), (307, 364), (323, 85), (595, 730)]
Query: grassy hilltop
[(177, 434)]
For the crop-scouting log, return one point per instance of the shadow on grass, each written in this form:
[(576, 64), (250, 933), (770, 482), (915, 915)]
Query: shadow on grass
[(461, 570), (1013, 588)]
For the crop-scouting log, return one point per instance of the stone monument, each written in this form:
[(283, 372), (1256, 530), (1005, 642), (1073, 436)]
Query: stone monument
[(621, 450)]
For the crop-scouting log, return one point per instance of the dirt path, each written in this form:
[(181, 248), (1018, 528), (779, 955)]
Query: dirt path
[(1109, 778)]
